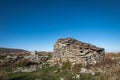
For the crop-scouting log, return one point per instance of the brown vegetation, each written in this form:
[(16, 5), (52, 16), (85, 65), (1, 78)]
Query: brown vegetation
[(3, 76), (114, 74), (107, 60)]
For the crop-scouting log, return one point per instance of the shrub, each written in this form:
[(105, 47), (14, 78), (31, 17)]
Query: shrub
[(3, 57), (21, 63)]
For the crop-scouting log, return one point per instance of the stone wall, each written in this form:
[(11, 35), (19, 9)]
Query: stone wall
[(77, 52)]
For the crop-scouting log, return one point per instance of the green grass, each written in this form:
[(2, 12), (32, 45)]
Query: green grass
[(85, 77), (46, 74), (2, 57), (43, 74)]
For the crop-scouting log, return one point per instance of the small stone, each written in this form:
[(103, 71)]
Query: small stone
[(93, 73), (77, 76), (83, 70), (61, 78)]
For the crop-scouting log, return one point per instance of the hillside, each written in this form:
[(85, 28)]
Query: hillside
[(10, 50)]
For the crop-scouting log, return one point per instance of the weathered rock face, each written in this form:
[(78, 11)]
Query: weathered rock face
[(76, 52)]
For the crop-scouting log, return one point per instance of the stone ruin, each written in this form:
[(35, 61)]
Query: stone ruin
[(76, 52)]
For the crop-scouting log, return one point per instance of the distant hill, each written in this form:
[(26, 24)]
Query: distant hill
[(10, 50)]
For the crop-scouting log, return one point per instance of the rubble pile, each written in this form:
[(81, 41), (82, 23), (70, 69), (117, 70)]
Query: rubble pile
[(76, 52)]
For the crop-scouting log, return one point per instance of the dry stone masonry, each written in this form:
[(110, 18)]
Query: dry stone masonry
[(76, 52)]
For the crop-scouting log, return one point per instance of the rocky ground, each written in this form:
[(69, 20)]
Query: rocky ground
[(70, 60)]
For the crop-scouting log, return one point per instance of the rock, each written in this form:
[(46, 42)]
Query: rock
[(77, 52), (31, 69), (61, 78), (73, 77), (55, 71), (93, 73), (77, 76), (83, 70)]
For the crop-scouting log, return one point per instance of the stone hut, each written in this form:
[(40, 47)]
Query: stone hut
[(76, 52)]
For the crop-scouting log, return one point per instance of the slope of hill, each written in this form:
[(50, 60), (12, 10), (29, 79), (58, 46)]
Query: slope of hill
[(10, 50)]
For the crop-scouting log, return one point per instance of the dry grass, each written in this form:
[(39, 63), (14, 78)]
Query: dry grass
[(115, 54), (107, 60), (111, 71), (3, 76), (21, 63), (114, 74)]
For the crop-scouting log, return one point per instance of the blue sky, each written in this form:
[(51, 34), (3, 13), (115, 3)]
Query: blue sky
[(37, 24)]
